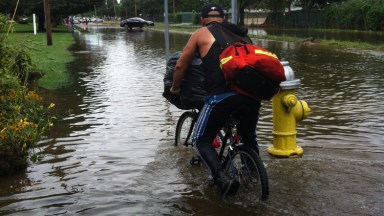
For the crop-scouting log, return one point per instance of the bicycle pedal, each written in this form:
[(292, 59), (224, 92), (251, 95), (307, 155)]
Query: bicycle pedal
[(195, 160)]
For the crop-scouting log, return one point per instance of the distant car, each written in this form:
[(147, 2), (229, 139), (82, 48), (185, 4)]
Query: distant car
[(22, 20), (99, 20), (94, 19), (135, 22)]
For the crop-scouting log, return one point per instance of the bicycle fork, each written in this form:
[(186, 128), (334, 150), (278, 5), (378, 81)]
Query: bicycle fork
[(232, 167)]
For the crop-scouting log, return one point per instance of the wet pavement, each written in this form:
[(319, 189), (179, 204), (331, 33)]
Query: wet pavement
[(111, 151)]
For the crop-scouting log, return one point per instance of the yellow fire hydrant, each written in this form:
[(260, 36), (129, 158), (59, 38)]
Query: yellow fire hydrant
[(287, 112)]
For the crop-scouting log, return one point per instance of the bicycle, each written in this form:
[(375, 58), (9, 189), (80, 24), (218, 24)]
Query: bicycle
[(238, 160)]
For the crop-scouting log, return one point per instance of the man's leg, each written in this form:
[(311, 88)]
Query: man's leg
[(212, 118), (248, 123)]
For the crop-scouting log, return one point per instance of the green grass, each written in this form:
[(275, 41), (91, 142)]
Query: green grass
[(335, 43), (356, 45), (49, 60)]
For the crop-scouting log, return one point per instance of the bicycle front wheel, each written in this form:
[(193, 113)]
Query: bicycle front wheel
[(243, 164), (184, 128)]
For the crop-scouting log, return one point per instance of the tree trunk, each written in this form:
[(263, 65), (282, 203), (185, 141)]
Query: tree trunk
[(241, 15), (47, 11)]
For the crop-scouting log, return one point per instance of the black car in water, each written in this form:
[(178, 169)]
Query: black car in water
[(136, 22)]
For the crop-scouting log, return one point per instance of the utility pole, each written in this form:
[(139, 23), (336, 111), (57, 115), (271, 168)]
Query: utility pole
[(166, 31), (234, 11), (47, 11), (107, 8), (135, 9), (114, 8)]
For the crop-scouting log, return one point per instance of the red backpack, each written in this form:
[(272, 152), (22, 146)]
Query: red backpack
[(248, 69)]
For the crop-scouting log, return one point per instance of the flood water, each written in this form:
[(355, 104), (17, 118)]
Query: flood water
[(111, 150)]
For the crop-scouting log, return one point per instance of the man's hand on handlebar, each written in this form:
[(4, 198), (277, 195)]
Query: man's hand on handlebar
[(175, 91)]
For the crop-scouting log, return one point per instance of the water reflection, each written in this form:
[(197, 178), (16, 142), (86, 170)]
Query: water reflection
[(111, 151)]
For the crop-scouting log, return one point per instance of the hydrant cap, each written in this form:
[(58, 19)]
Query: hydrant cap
[(288, 72), (290, 84)]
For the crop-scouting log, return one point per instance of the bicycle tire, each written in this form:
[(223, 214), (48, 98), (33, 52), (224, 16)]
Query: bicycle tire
[(244, 164), (184, 128)]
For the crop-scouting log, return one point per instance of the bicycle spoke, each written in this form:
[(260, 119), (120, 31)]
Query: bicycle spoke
[(243, 166)]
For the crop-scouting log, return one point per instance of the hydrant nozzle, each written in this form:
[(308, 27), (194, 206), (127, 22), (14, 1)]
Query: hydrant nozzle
[(290, 100)]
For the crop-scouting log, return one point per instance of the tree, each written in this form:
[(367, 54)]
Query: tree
[(242, 4), (309, 4), (59, 9), (151, 8), (109, 8), (7, 6), (147, 8)]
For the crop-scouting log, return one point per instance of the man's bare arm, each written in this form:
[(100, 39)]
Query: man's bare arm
[(184, 61)]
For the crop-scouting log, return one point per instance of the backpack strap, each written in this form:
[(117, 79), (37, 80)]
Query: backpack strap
[(225, 37), (217, 32)]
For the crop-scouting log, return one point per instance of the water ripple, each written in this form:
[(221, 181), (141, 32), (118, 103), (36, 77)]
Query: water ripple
[(111, 151)]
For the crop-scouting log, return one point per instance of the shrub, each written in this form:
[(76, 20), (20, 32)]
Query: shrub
[(23, 120), (375, 17), (24, 117), (177, 18), (356, 14)]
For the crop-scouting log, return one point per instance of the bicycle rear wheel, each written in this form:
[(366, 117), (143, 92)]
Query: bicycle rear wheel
[(184, 128), (246, 166)]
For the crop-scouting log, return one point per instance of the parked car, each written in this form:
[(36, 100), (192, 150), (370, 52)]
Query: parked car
[(99, 20), (135, 22), (22, 20)]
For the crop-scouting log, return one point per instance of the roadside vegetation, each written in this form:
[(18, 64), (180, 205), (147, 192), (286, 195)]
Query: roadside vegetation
[(313, 41), (189, 28), (24, 115), (356, 14), (48, 62)]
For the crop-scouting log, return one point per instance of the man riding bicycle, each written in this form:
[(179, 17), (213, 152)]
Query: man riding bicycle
[(220, 102)]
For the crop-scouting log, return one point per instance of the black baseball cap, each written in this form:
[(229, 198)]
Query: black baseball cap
[(211, 7)]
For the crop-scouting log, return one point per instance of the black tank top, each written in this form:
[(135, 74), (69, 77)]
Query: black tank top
[(216, 83), (227, 34)]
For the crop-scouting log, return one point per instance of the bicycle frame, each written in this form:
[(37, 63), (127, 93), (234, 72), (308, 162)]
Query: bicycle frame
[(192, 126), (228, 139), (237, 159)]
